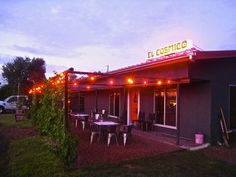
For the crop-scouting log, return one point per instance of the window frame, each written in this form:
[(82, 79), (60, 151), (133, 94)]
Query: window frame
[(165, 90), (113, 103)]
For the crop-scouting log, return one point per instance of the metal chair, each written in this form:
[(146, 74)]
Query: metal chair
[(149, 121), (111, 132), (125, 130), (94, 131)]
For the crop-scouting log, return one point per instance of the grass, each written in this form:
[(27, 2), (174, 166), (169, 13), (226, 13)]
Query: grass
[(33, 156), (8, 121), (178, 164)]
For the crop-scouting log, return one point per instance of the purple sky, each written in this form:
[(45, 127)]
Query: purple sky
[(90, 34)]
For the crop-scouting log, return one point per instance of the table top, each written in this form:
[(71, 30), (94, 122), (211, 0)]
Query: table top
[(79, 115), (106, 123)]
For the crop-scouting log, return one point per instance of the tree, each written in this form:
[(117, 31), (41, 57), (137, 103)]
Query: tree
[(37, 70), (5, 91), (23, 72)]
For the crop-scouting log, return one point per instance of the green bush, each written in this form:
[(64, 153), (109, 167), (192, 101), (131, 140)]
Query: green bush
[(48, 116)]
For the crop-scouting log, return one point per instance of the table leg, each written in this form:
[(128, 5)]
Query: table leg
[(83, 124)]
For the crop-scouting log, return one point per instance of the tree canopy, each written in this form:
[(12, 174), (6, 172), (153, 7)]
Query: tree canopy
[(23, 72)]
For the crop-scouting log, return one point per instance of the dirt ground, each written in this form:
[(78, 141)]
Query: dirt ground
[(98, 152)]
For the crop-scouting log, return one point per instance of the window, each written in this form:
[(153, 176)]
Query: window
[(12, 100), (114, 102), (165, 106)]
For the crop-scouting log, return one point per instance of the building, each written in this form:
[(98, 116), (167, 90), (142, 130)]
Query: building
[(183, 86)]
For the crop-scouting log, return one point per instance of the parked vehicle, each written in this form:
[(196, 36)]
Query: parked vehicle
[(14, 102)]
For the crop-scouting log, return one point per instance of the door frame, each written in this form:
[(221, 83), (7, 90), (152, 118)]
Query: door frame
[(129, 121)]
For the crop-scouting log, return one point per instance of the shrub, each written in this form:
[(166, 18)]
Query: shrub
[(48, 116)]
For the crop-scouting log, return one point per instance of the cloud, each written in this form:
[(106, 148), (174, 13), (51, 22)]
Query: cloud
[(26, 49), (51, 69), (88, 35), (5, 58)]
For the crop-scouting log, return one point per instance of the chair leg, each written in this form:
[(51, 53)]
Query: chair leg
[(91, 138), (117, 143), (109, 139), (124, 138), (83, 124), (92, 135), (76, 123)]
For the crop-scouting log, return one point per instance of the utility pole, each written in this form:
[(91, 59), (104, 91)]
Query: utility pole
[(107, 68)]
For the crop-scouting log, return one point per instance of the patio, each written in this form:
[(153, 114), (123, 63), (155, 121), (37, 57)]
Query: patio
[(140, 144)]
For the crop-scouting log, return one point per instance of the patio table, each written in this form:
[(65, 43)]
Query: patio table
[(83, 118)]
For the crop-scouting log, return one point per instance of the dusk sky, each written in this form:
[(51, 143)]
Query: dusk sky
[(90, 34)]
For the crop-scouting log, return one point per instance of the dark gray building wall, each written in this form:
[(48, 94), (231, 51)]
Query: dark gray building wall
[(89, 101), (195, 109), (221, 73), (103, 100)]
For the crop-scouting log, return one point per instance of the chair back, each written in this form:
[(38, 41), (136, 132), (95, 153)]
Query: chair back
[(141, 116), (151, 117), (129, 128), (96, 116)]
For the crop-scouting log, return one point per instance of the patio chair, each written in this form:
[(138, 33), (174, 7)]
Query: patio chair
[(111, 131), (149, 121), (141, 120), (125, 131), (94, 131), (104, 114)]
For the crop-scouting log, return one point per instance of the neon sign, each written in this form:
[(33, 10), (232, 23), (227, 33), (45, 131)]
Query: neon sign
[(170, 49)]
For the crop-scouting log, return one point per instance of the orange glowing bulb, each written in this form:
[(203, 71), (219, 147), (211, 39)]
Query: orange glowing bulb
[(145, 82), (92, 78), (159, 82), (75, 84), (168, 81), (88, 87), (130, 81), (111, 82)]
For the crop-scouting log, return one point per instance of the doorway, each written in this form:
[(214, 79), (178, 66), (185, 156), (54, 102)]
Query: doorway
[(133, 104)]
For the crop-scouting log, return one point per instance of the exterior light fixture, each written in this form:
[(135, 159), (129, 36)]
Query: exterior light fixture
[(169, 81), (130, 81), (159, 82), (92, 78), (75, 84), (144, 82), (111, 82), (88, 87)]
